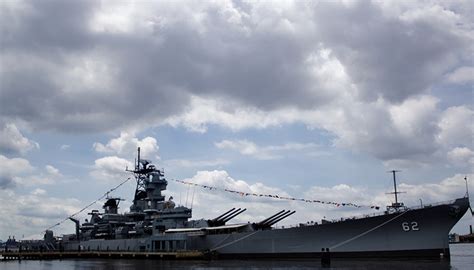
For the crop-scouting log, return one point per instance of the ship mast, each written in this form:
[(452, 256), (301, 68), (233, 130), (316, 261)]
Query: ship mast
[(394, 184), (140, 176), (395, 205), (467, 189)]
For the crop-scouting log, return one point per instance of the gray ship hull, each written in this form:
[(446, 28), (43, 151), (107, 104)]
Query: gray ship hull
[(419, 232)]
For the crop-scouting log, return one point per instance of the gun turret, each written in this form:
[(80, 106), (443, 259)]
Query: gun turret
[(222, 219), (221, 216), (276, 217), (274, 221), (233, 215), (265, 220), (268, 222)]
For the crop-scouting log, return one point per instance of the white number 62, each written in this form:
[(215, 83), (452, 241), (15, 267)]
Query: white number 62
[(414, 226)]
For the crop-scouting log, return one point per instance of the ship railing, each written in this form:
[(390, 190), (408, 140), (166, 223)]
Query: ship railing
[(385, 212), (421, 206), (363, 215)]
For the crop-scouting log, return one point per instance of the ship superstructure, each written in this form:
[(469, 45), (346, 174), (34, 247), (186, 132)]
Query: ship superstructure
[(156, 224), (150, 216), (150, 213)]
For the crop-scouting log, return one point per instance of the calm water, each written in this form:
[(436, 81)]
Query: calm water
[(462, 257)]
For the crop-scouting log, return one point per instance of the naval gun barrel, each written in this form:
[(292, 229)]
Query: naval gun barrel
[(289, 213), (276, 217), (219, 217), (228, 215), (233, 215), (267, 219)]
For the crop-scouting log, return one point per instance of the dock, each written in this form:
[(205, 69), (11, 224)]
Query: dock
[(57, 255)]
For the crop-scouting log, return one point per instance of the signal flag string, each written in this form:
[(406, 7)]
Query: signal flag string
[(218, 189), (89, 205), (241, 193)]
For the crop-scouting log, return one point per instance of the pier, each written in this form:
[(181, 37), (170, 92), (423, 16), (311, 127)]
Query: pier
[(57, 255)]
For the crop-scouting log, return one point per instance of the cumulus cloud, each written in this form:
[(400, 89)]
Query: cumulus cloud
[(249, 148), (19, 172), (50, 175), (461, 75), (388, 56), (461, 156), (32, 213), (447, 189), (64, 147), (126, 146), (457, 127), (111, 168), (203, 112), (11, 171), (456, 135), (194, 163), (414, 131), (399, 131), (243, 146), (139, 64), (51, 170), (342, 193), (38, 191), (13, 142)]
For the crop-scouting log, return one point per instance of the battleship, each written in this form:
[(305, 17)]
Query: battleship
[(157, 224)]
